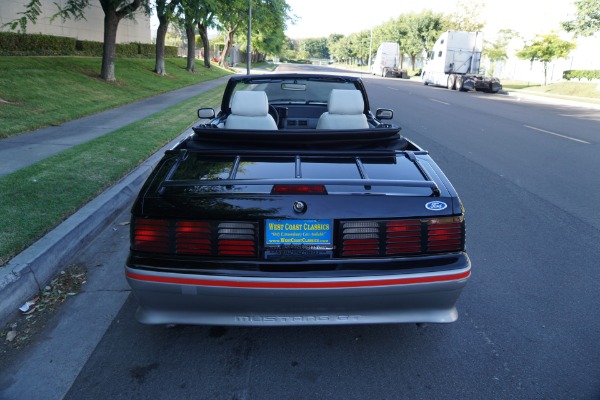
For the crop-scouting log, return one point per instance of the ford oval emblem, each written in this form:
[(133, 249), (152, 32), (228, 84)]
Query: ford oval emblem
[(436, 205)]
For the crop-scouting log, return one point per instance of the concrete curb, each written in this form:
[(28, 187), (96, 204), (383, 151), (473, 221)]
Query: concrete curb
[(29, 272), (554, 100)]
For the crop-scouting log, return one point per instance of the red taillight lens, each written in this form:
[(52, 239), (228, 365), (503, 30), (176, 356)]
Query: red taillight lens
[(192, 237), (298, 189), (151, 235), (445, 235)]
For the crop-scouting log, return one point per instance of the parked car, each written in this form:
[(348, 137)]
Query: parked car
[(294, 204)]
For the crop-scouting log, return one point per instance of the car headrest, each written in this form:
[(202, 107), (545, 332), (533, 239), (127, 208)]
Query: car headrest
[(250, 103), (345, 102)]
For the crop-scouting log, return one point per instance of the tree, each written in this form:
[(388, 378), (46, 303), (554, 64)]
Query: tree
[(188, 22), (337, 44), (587, 21), (33, 9), (270, 18), (466, 17), (165, 11), (497, 51), (424, 29), (206, 19), (114, 12), (232, 15), (546, 48), (315, 47), (197, 14)]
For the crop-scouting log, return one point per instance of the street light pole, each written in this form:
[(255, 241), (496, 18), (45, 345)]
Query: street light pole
[(249, 33), (370, 50)]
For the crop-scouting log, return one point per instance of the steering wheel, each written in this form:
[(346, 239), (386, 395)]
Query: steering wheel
[(273, 113)]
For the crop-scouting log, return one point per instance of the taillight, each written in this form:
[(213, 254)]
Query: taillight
[(402, 237), (199, 238), (236, 239), (151, 235), (193, 237), (445, 234), (298, 189), (360, 238)]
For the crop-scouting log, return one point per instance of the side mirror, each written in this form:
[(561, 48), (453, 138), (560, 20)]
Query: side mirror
[(206, 113), (384, 113)]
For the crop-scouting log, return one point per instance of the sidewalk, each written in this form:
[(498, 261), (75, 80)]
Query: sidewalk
[(28, 148), (24, 276)]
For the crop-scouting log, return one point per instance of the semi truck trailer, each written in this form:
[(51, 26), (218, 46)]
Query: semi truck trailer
[(455, 61)]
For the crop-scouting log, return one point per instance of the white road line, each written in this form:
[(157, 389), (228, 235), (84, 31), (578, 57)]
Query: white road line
[(393, 88), (556, 134), (438, 101)]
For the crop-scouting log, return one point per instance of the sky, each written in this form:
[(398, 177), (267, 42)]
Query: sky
[(318, 18)]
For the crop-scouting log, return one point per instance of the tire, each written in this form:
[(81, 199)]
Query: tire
[(451, 82), (459, 84)]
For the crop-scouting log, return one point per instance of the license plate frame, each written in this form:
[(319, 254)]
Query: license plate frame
[(301, 233)]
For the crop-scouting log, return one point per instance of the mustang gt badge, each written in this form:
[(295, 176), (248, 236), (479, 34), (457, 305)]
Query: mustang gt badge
[(436, 205)]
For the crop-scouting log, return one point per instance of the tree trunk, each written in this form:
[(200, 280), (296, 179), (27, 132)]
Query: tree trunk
[(161, 34), (112, 17), (205, 43), (191, 45), (545, 73), (228, 42), (111, 23)]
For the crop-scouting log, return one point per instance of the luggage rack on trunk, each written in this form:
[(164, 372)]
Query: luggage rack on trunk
[(364, 181)]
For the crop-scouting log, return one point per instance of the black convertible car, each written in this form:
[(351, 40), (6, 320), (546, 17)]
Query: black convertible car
[(295, 205)]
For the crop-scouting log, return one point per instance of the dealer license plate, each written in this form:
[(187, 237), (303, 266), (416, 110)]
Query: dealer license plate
[(306, 233)]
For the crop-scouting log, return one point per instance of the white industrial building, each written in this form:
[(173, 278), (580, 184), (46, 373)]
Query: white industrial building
[(90, 28)]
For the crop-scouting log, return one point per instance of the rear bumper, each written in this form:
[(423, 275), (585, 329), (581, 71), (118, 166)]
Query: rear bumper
[(173, 298)]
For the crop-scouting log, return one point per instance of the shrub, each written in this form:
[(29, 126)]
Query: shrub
[(127, 50), (146, 49), (579, 74), (35, 44), (89, 48), (171, 51), (19, 44)]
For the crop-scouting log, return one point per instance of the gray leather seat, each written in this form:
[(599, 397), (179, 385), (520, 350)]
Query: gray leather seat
[(344, 111)]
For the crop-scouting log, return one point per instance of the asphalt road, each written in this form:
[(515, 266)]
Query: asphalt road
[(529, 326)]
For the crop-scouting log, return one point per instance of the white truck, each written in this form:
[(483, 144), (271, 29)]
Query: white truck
[(387, 61), (454, 63)]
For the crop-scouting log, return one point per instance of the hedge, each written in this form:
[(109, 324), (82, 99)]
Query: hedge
[(18, 44), (89, 48), (579, 74), (35, 44)]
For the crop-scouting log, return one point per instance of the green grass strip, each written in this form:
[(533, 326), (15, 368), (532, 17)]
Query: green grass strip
[(37, 198), (36, 92)]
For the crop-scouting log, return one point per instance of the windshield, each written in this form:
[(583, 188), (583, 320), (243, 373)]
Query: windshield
[(297, 91)]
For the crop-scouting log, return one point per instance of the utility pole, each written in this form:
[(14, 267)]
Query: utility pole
[(249, 33)]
